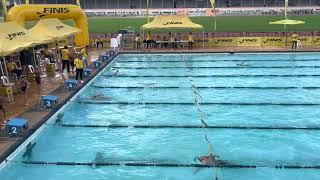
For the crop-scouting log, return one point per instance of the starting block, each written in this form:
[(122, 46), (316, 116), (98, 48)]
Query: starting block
[(49, 101), (104, 58), (87, 72), (16, 125), (71, 84), (97, 64), (110, 53)]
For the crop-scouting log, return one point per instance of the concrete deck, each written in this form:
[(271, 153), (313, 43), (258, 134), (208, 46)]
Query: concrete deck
[(53, 86)]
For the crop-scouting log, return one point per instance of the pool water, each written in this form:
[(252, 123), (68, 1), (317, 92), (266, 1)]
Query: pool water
[(226, 90)]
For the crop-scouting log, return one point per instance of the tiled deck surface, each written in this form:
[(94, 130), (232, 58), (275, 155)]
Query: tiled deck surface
[(53, 86)]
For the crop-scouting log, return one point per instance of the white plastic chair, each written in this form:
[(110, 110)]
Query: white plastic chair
[(7, 83), (31, 69), (299, 44), (41, 63)]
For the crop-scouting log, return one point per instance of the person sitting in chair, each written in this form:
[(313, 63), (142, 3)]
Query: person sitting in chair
[(13, 68)]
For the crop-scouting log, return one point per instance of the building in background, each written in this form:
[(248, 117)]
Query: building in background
[(141, 4)]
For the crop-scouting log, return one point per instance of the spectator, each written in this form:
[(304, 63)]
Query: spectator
[(295, 38), (79, 67), (138, 42), (26, 58), (190, 40), (99, 42), (73, 55), (65, 57), (13, 68), (85, 57), (149, 39), (3, 111), (24, 84), (48, 55)]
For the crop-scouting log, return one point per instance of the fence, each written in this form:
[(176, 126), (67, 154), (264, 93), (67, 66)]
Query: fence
[(245, 39)]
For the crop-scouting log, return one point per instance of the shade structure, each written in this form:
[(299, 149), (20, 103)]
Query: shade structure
[(287, 22), (171, 22), (54, 28), (14, 37)]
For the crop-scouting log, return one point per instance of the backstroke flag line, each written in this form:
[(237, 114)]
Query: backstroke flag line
[(213, 4), (78, 3), (285, 8), (4, 8), (148, 20)]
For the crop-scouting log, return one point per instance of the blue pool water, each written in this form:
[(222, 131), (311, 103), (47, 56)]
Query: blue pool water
[(212, 87)]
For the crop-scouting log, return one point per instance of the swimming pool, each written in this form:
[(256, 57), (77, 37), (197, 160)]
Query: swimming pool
[(262, 110)]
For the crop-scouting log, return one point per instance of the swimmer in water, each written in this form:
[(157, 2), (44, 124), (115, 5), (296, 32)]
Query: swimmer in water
[(116, 73), (28, 153), (58, 120), (211, 160), (100, 97), (98, 159), (242, 64)]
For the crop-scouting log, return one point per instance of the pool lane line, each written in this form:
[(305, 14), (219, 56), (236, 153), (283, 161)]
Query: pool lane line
[(216, 76), (147, 164), (221, 60), (115, 126), (201, 87), (220, 67), (192, 103)]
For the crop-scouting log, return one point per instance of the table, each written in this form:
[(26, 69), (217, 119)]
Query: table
[(15, 125), (50, 101), (71, 83)]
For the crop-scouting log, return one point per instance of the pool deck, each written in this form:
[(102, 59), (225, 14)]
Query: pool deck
[(53, 86), (37, 116)]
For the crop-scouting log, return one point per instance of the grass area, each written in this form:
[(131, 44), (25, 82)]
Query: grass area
[(224, 24)]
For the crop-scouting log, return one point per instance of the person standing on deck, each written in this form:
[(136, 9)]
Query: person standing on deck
[(79, 68), (190, 40), (65, 57), (85, 57), (295, 38)]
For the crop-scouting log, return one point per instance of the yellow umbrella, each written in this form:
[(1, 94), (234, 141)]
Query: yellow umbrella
[(171, 22), (54, 28), (14, 37), (287, 22)]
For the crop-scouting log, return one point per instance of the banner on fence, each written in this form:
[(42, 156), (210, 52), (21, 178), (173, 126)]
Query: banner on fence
[(199, 42), (273, 41), (225, 41), (316, 41), (249, 41)]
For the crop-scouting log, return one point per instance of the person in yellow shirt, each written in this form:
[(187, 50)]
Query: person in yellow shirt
[(295, 38), (13, 68), (78, 62), (65, 57), (85, 57), (149, 39), (190, 40)]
